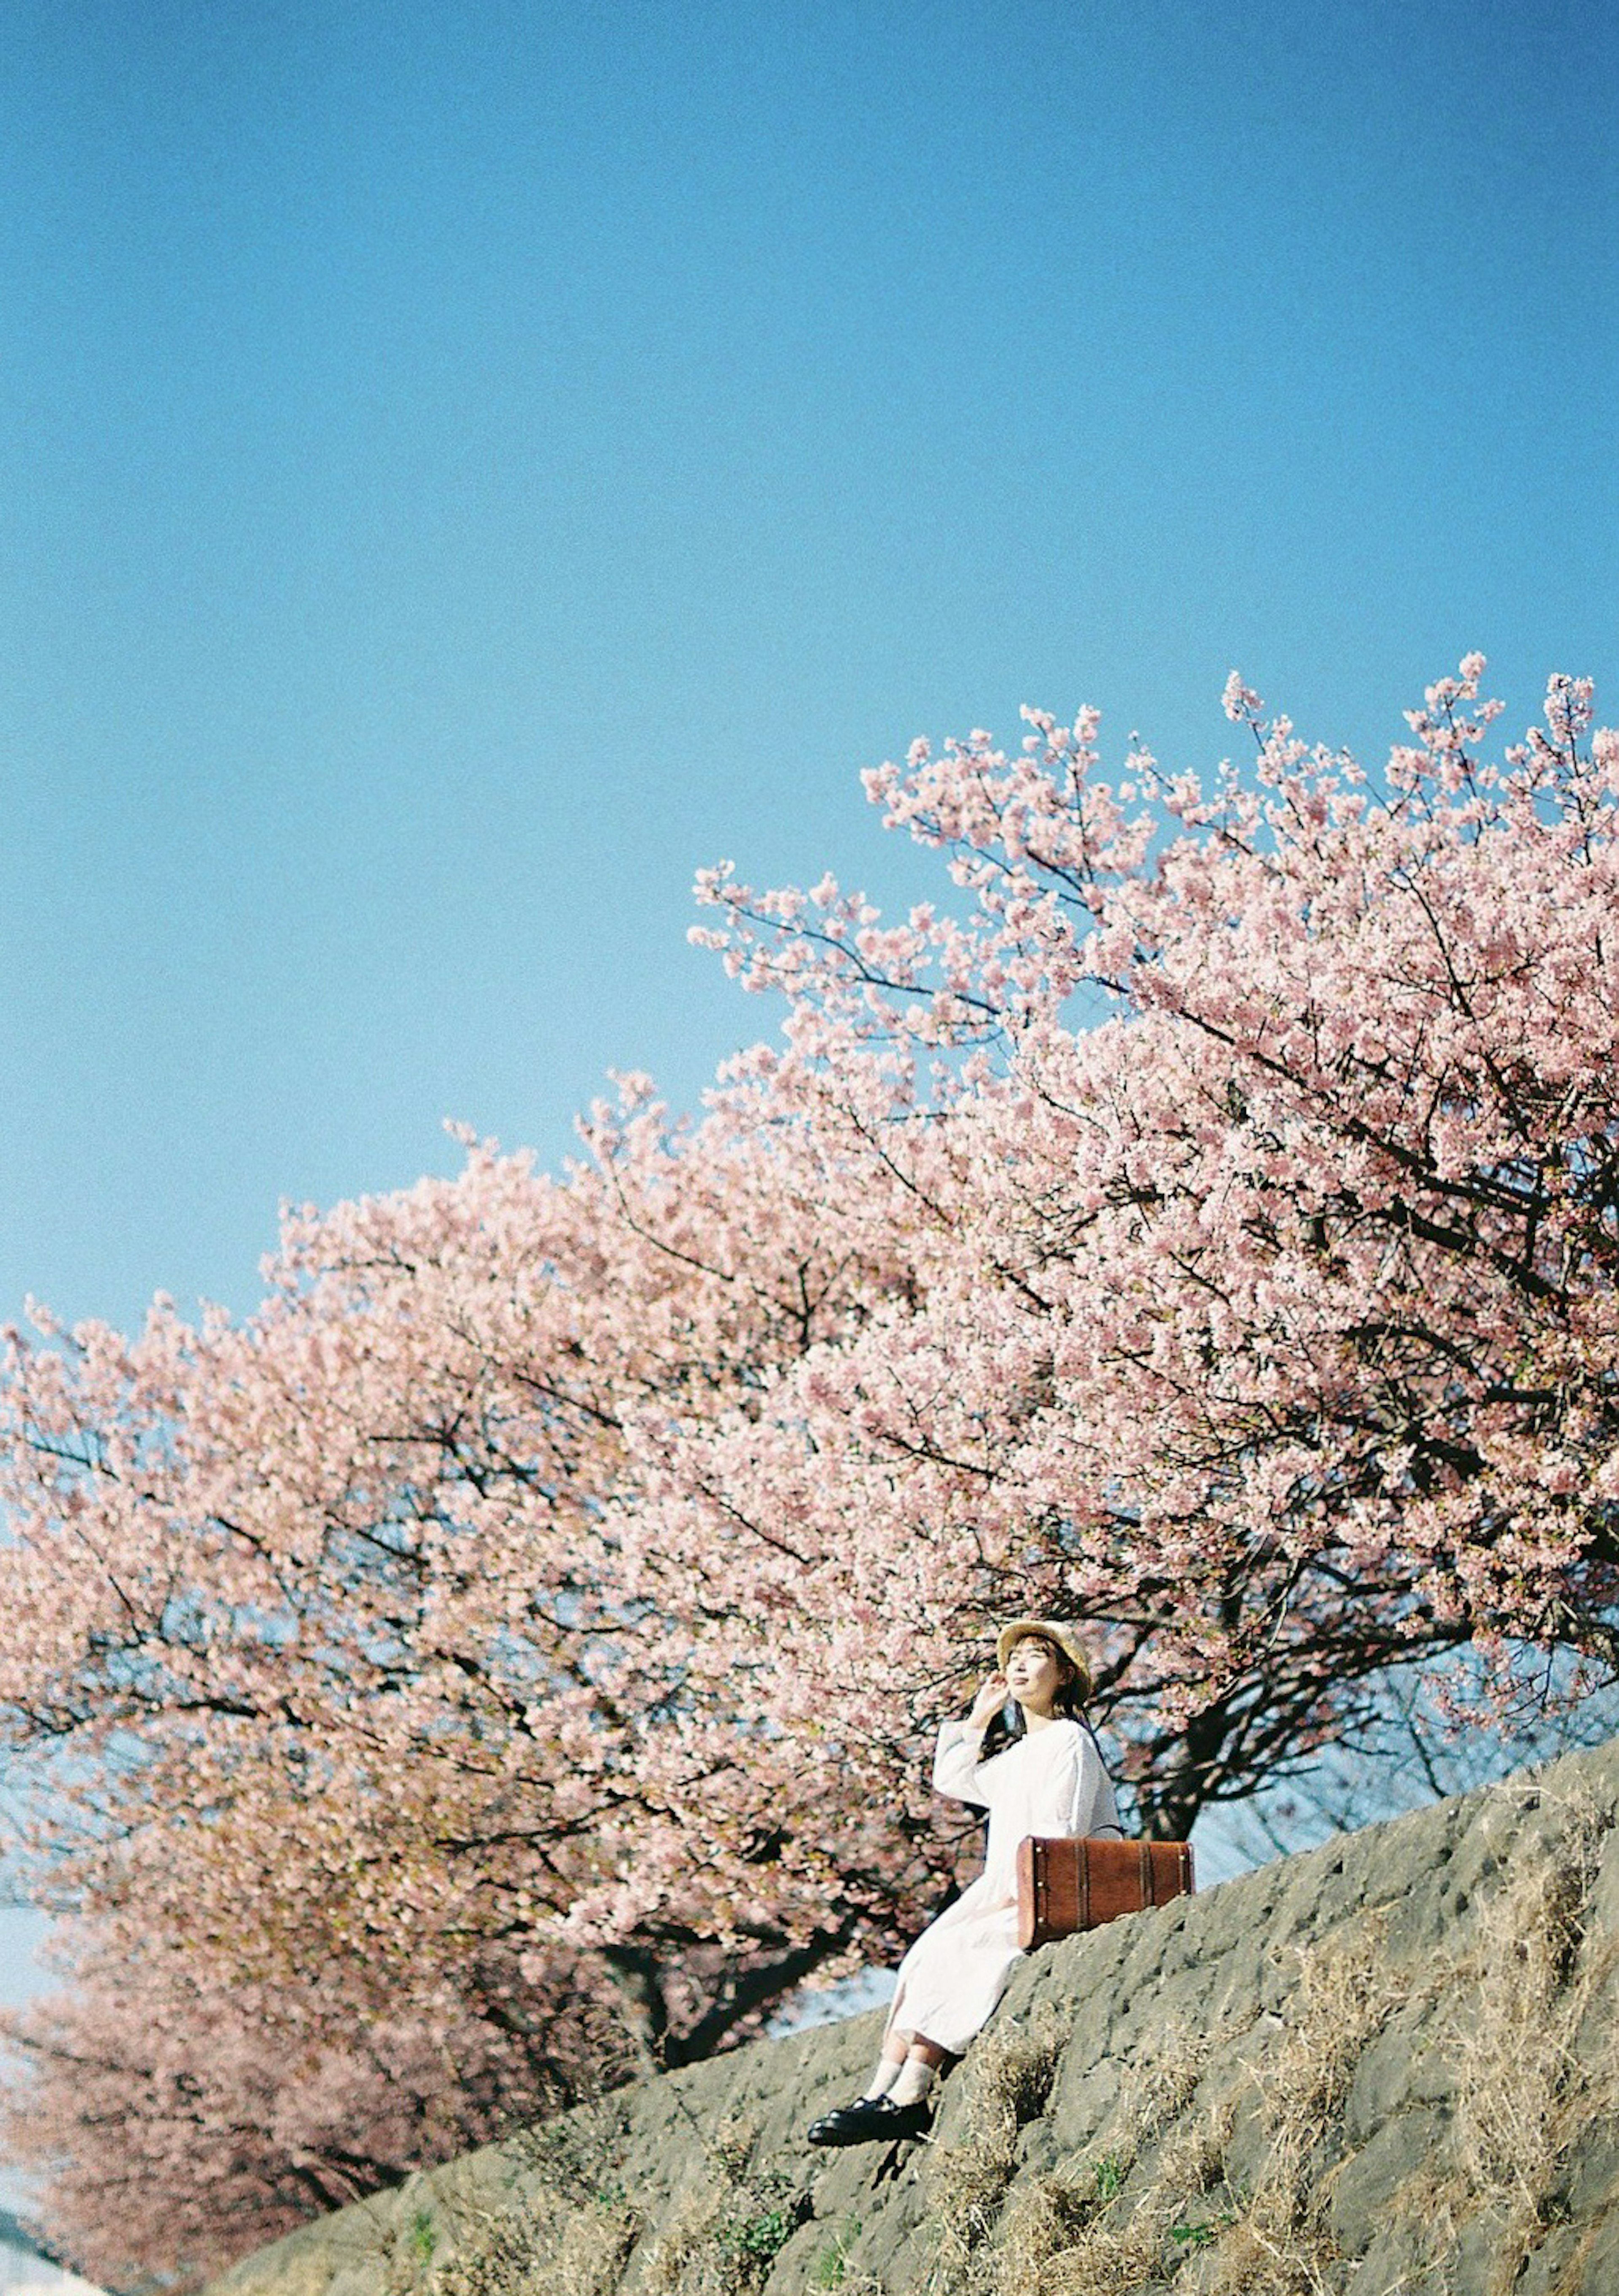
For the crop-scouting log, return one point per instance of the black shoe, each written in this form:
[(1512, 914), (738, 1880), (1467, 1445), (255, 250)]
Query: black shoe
[(868, 2121)]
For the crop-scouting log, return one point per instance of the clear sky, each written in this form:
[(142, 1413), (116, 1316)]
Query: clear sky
[(466, 465)]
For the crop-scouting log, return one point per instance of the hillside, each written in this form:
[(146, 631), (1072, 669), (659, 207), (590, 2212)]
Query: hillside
[(1389, 2065)]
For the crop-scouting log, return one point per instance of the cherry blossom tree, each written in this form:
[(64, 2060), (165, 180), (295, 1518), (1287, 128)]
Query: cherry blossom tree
[(1264, 1137), (512, 1651), (179, 2119), (343, 1718)]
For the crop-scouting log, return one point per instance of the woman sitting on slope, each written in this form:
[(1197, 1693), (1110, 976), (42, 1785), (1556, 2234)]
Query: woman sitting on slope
[(1038, 1774)]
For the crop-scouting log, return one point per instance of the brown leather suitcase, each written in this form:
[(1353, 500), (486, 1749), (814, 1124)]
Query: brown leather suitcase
[(1080, 1882)]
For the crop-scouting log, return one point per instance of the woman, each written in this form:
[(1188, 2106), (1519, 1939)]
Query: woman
[(1040, 1773)]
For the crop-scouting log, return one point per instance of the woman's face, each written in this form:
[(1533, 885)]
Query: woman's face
[(1034, 1673)]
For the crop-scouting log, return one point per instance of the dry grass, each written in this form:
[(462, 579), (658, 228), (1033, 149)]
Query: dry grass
[(1161, 2081), (1008, 2079), (729, 2231), (1520, 1999), (573, 2232), (1076, 2234), (1139, 2239), (1278, 2243), (543, 2247), (1109, 2260), (1518, 2003), (1126, 2219), (568, 2235)]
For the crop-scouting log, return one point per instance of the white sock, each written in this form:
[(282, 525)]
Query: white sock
[(914, 2082), (888, 2072)]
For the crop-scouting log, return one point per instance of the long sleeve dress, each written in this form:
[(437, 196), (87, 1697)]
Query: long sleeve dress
[(1049, 1782)]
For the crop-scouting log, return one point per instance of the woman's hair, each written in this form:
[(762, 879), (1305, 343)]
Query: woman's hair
[(1068, 1702)]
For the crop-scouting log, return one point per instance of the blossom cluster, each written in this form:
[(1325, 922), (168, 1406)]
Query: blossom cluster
[(507, 1656)]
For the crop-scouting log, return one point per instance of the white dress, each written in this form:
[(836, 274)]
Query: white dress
[(1049, 1782)]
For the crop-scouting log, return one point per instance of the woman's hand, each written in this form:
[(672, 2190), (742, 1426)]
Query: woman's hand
[(992, 1695)]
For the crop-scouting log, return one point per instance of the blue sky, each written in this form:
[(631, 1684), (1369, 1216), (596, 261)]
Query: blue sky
[(467, 465)]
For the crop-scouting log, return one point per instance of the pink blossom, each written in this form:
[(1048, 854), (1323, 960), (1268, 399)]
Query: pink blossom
[(1198, 1218)]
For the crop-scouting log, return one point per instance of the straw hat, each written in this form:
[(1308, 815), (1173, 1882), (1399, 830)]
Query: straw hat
[(1055, 1630)]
